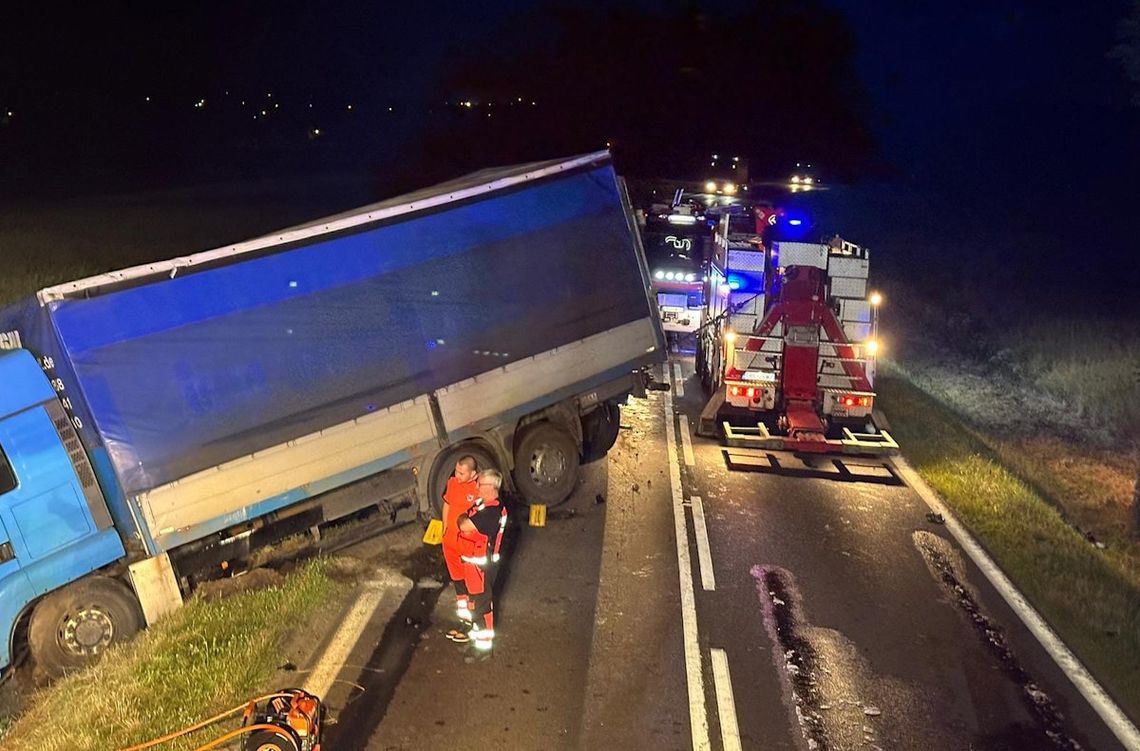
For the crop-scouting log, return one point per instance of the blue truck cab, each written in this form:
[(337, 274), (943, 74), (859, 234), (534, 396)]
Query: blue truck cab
[(159, 423), (54, 524)]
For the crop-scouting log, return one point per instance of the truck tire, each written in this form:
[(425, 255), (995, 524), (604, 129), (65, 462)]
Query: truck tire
[(546, 464), (702, 366), (444, 467), (600, 431), (72, 627)]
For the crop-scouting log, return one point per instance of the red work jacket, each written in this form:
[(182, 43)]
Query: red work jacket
[(457, 500)]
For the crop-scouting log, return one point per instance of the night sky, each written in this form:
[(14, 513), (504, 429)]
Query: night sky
[(998, 132), (1015, 141)]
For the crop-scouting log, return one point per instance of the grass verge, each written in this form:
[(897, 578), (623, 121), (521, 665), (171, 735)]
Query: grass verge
[(1091, 597), (208, 657)]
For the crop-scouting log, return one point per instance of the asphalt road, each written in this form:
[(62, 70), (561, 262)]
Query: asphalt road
[(823, 614)]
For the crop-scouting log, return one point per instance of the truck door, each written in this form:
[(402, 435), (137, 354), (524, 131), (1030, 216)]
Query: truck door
[(49, 515), (9, 564), (15, 591)]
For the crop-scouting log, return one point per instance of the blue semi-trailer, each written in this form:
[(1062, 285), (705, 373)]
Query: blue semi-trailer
[(156, 423)]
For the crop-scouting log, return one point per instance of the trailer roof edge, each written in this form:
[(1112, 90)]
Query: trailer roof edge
[(365, 215)]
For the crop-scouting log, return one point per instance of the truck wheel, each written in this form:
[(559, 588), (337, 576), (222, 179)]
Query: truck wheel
[(546, 464), (444, 467), (600, 431), (72, 627), (702, 365)]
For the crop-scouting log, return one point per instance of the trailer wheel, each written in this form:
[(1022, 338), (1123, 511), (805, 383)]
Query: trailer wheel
[(600, 430), (546, 464), (72, 627), (444, 467)]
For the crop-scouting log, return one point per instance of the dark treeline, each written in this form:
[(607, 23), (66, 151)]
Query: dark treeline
[(774, 84)]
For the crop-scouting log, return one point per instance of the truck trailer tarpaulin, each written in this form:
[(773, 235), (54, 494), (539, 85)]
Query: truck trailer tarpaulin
[(215, 388)]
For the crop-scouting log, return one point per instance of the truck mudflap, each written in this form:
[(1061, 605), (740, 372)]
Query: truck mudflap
[(851, 444)]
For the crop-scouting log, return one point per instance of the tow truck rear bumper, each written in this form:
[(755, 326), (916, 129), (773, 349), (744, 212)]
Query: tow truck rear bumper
[(853, 444)]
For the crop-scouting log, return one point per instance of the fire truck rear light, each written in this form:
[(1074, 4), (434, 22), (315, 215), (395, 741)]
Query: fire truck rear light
[(734, 390), (751, 392)]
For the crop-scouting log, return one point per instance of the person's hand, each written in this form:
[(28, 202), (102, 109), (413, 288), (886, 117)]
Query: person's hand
[(466, 525)]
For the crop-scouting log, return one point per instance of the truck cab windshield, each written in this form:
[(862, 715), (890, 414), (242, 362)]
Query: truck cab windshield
[(7, 476)]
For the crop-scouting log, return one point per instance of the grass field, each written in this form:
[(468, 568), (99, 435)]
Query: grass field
[(208, 657), (1091, 366), (1091, 596), (46, 244)]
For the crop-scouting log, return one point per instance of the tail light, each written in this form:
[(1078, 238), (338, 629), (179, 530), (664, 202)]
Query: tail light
[(850, 400)]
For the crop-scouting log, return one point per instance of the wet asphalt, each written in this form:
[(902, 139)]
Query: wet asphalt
[(848, 620)]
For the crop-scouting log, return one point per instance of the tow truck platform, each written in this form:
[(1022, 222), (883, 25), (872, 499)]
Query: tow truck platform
[(870, 469)]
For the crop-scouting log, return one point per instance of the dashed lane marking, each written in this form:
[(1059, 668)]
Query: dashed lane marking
[(678, 380), (686, 441), (704, 551), (725, 702), (1094, 694), (698, 720)]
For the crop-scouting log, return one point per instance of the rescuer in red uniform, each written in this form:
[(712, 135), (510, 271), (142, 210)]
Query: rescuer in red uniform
[(460, 495), (480, 537)]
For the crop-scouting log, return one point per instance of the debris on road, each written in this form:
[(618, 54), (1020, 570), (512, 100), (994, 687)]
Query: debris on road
[(935, 518), (946, 567), (871, 711)]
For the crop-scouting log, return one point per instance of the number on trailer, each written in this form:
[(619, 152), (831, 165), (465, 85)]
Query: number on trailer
[(57, 384), (48, 363), (77, 422)]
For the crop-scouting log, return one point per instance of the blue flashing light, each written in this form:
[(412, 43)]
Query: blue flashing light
[(739, 281), (795, 225)]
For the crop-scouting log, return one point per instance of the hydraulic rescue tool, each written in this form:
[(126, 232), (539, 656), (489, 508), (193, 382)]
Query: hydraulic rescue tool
[(287, 720)]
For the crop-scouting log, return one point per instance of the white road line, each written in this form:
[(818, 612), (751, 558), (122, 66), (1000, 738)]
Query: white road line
[(678, 380), (1094, 694), (686, 441), (336, 653), (725, 703), (698, 720), (704, 552)]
